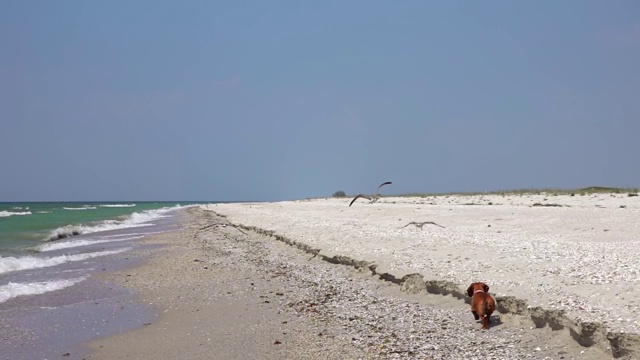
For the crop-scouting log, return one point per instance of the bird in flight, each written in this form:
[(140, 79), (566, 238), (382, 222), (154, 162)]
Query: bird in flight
[(375, 197), (358, 197)]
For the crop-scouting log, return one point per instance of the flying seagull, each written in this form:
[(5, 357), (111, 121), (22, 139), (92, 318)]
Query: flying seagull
[(375, 197), (358, 197)]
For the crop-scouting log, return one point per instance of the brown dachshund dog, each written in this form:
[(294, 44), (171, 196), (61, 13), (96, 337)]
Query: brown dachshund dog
[(482, 304)]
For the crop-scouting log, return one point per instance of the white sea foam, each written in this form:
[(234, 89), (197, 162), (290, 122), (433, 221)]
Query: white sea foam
[(20, 208), (12, 290), (8, 264), (146, 233), (117, 205), (14, 213), (127, 234), (75, 243), (81, 208), (134, 220)]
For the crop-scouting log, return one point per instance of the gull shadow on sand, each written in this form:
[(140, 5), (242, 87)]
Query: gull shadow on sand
[(421, 224)]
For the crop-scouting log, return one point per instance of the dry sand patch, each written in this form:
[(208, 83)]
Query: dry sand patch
[(578, 259)]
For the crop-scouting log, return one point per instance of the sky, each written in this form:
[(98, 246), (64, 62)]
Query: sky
[(279, 100)]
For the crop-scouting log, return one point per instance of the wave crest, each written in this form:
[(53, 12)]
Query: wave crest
[(12, 290), (8, 264), (117, 205), (136, 219), (14, 213), (71, 244)]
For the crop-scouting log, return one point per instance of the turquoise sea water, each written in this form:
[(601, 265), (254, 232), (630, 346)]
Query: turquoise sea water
[(23, 225), (45, 247)]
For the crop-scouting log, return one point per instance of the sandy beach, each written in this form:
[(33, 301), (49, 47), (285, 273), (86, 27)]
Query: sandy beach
[(265, 281), (563, 262), (219, 295)]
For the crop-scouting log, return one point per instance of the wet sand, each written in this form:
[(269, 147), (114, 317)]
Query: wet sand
[(59, 322), (216, 297)]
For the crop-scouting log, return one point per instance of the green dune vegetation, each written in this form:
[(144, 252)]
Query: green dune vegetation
[(550, 192)]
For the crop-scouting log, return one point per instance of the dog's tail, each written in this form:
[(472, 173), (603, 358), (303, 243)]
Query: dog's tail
[(484, 308)]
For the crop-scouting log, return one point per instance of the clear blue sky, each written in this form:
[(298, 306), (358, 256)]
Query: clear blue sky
[(272, 100)]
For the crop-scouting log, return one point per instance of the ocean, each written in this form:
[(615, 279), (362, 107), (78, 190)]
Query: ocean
[(45, 247)]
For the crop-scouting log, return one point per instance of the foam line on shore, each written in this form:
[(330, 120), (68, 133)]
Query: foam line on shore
[(12, 290), (586, 334)]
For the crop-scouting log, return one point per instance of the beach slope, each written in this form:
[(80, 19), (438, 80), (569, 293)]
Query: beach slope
[(224, 292)]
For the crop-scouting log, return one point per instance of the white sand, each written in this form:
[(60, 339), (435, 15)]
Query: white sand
[(581, 257)]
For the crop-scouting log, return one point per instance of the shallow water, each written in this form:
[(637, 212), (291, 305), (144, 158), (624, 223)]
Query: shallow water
[(51, 303), (84, 232), (23, 225)]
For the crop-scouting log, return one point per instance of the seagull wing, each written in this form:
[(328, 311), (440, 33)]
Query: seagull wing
[(359, 196), (381, 185)]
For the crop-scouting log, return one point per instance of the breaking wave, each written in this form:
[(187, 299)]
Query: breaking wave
[(12, 290), (58, 245), (134, 220), (81, 208), (117, 205), (14, 213), (8, 264)]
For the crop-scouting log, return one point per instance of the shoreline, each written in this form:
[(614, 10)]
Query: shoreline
[(200, 309), (58, 321), (292, 305)]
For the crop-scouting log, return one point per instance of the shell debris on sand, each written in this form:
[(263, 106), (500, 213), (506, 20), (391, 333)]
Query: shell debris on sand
[(554, 257), (374, 317)]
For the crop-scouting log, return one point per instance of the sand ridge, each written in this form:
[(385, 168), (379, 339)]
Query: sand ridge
[(572, 254)]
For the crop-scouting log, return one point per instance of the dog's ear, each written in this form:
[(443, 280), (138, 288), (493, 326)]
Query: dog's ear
[(486, 288), (470, 290)]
